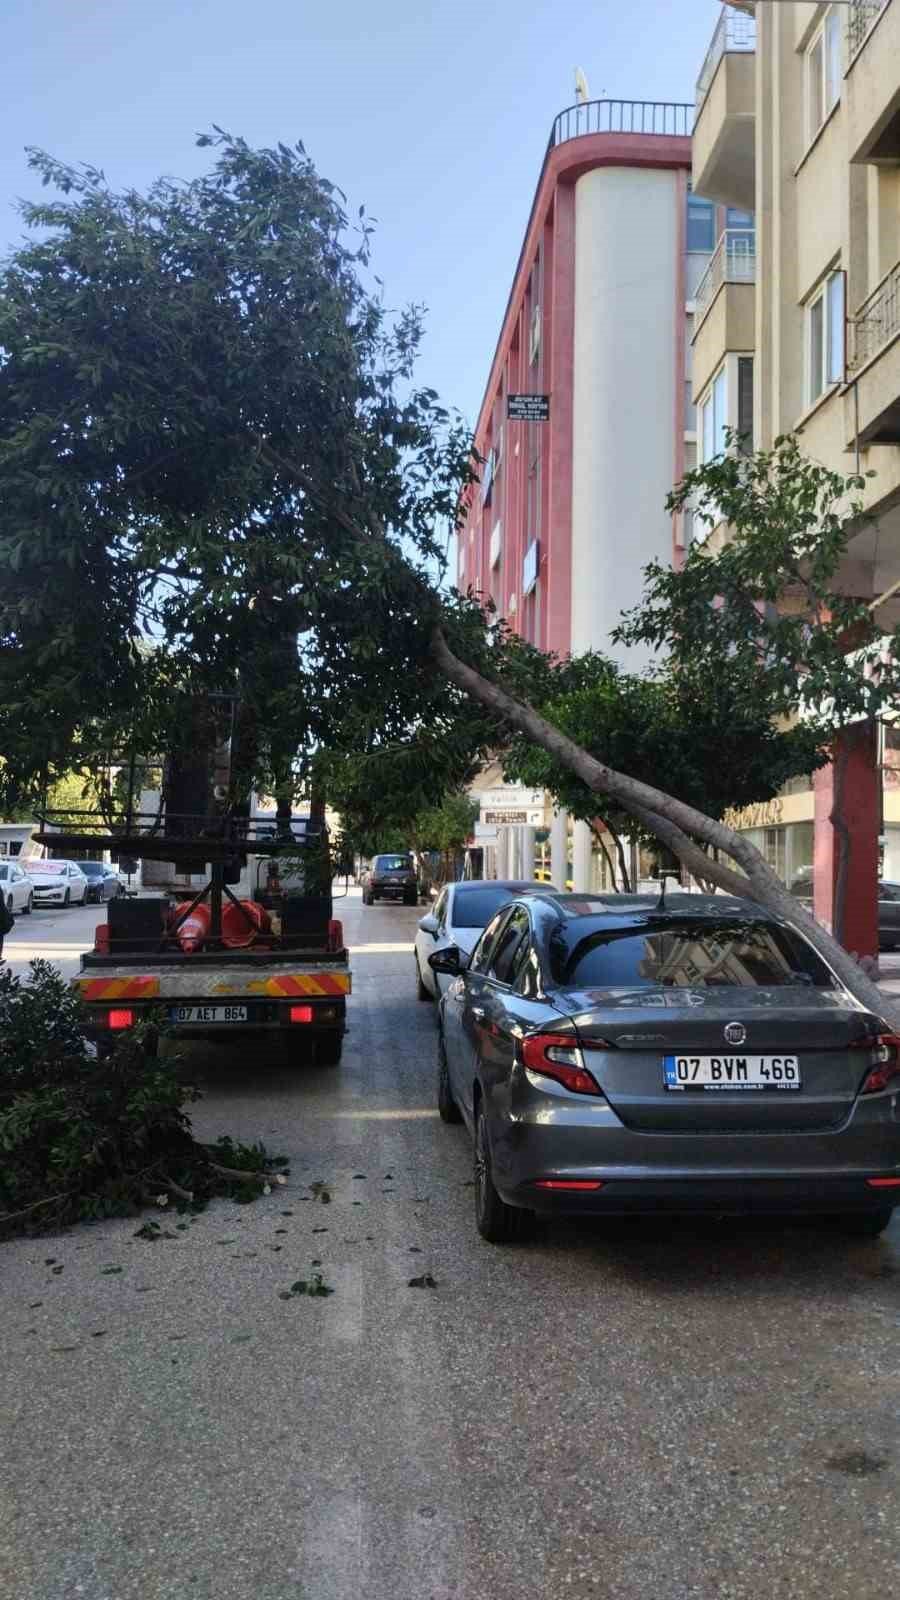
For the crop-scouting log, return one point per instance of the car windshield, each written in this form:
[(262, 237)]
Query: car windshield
[(473, 908), (392, 863), (52, 867), (686, 953)]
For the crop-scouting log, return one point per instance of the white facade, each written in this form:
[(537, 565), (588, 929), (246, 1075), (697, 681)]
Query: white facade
[(627, 260)]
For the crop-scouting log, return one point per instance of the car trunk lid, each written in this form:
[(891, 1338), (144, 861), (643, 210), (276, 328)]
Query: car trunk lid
[(825, 1029)]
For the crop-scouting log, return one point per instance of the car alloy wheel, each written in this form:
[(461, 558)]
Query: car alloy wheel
[(497, 1222)]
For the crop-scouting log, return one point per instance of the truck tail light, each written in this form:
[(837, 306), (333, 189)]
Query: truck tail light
[(302, 1013), (101, 939), (335, 935), (887, 1070), (557, 1056), (121, 1018)]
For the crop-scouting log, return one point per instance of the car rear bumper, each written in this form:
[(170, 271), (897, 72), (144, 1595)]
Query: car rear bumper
[(712, 1196), (560, 1139)]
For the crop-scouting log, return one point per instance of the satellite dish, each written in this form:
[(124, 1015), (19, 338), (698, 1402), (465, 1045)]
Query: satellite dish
[(582, 92)]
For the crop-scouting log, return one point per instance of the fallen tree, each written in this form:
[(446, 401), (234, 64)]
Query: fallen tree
[(209, 421)]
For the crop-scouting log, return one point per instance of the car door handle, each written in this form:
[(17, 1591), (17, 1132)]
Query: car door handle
[(478, 1013)]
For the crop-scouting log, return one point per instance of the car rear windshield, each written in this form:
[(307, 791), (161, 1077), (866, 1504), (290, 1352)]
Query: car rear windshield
[(682, 953), (473, 908), (392, 864)]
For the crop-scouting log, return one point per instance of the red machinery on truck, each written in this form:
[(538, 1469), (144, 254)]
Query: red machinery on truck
[(270, 962)]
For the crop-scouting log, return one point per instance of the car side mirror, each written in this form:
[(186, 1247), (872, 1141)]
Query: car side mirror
[(429, 924), (450, 961)]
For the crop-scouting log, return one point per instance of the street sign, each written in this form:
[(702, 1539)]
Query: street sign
[(528, 407)]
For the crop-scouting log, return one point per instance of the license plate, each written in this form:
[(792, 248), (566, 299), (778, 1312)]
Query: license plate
[(208, 1014), (731, 1072)]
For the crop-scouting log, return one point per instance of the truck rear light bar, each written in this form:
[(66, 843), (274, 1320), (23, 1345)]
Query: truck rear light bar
[(302, 1013)]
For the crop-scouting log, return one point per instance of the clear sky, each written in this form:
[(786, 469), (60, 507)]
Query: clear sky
[(435, 116)]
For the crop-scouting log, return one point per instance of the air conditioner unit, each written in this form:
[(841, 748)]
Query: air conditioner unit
[(534, 348)]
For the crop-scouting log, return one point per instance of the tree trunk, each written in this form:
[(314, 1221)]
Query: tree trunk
[(672, 822)]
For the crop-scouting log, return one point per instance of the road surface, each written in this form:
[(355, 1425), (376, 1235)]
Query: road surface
[(636, 1412)]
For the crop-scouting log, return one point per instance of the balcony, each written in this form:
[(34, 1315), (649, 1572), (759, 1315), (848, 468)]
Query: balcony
[(873, 361), (660, 118), (724, 128), (724, 310), (872, 86)]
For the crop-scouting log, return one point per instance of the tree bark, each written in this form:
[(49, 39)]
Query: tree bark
[(672, 821)]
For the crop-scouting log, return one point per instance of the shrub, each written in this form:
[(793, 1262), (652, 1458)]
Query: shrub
[(86, 1136)]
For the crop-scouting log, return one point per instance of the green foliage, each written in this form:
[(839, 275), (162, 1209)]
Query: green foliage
[(765, 612), (713, 747), (84, 1137), (210, 436)]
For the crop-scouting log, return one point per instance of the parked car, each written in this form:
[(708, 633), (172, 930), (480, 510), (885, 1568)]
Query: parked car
[(16, 888), (460, 913), (888, 906), (104, 882), (391, 877), (611, 1054), (57, 883)]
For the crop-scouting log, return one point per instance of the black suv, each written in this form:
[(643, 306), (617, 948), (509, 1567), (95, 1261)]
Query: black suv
[(391, 878)]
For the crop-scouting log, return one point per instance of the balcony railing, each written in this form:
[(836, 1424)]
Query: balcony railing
[(735, 30), (667, 117), (860, 16), (876, 321), (732, 261)]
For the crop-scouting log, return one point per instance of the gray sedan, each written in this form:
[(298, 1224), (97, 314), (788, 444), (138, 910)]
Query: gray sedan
[(627, 1054), (460, 914)]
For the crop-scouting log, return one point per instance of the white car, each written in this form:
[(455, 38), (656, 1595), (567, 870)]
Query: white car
[(16, 887), (57, 883), (461, 913)]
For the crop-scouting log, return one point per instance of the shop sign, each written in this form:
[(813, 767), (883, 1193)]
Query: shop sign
[(528, 407), (766, 814)]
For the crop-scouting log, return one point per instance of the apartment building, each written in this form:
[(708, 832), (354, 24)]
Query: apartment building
[(587, 421), (798, 325)]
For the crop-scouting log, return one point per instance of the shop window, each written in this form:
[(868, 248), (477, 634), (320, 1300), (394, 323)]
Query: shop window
[(774, 850)]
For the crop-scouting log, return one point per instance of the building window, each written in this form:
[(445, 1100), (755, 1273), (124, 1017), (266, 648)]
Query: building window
[(825, 336), (701, 224), (738, 219), (745, 405), (823, 73), (713, 418)]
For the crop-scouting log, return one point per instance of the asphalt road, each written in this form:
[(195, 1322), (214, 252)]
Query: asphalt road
[(646, 1411)]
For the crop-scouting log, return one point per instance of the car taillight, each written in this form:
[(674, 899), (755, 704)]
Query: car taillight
[(120, 1019), (557, 1056), (301, 1013), (887, 1070)]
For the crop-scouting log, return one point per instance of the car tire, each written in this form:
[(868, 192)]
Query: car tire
[(497, 1222), (11, 905), (421, 992), (865, 1224), (367, 899), (29, 906), (410, 899), (328, 1049), (67, 897), (448, 1110)]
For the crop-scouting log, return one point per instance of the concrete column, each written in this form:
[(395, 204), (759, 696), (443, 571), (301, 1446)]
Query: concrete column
[(502, 852), (847, 798), (527, 853), (581, 858), (559, 848)]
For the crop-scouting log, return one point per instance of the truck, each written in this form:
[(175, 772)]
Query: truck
[(214, 965)]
